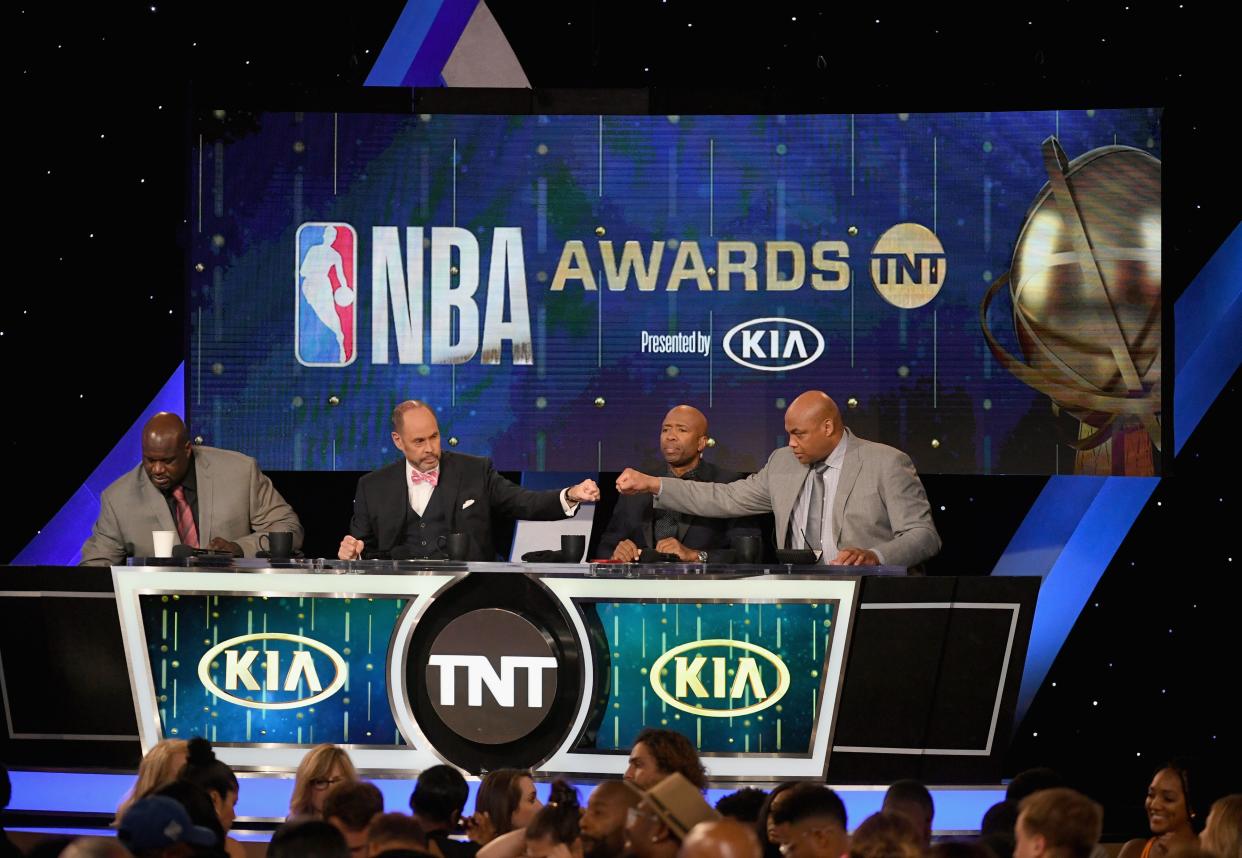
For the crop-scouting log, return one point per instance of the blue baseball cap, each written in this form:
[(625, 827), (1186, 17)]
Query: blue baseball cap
[(159, 821)]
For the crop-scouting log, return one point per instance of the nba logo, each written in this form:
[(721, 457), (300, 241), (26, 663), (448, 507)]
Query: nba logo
[(326, 306)]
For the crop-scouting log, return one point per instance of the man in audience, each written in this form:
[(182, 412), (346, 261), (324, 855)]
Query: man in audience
[(658, 753), (308, 838), (602, 827), (815, 822), (664, 816), (351, 806), (437, 801), (743, 805), (395, 835), (158, 827), (726, 838), (1057, 823), (912, 800)]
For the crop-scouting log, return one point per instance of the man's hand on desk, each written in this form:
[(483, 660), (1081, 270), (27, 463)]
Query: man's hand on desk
[(222, 544), (670, 545), (351, 549), (855, 557)]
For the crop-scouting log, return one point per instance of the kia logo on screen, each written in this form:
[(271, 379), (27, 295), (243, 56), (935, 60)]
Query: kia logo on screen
[(719, 678), (773, 344), (491, 676), (273, 670)]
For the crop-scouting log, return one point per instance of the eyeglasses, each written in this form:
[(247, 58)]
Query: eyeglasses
[(324, 783)]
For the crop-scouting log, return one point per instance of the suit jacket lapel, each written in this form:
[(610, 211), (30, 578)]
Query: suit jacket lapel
[(154, 503), (202, 475), (785, 488), (446, 491), (845, 483)]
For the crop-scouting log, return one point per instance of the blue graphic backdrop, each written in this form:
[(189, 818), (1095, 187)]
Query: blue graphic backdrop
[(918, 376)]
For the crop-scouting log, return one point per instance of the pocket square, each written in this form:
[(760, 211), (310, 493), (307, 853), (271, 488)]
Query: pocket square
[(468, 504)]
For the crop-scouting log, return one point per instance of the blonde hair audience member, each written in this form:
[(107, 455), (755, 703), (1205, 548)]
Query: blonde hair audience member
[(320, 770)]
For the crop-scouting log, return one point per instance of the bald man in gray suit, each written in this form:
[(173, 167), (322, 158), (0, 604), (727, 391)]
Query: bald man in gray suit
[(211, 498), (854, 502)]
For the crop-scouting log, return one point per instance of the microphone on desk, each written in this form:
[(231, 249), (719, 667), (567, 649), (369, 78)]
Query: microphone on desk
[(799, 556), (180, 552)]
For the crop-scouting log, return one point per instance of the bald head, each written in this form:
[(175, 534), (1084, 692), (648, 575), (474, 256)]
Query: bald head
[(166, 426), (683, 436), (815, 427), (725, 838), (165, 451)]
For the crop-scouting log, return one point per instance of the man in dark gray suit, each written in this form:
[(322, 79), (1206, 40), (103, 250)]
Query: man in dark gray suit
[(855, 502), (635, 525), (210, 498)]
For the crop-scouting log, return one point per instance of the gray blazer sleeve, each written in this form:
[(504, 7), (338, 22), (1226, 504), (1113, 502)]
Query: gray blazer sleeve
[(105, 546), (268, 512), (750, 496), (915, 538)]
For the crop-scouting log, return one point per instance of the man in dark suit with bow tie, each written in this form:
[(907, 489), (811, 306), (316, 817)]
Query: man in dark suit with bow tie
[(636, 524), (404, 510)]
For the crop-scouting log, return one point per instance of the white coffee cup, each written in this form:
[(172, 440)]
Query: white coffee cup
[(164, 541)]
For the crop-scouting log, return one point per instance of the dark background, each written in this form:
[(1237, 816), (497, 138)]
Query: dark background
[(94, 322)]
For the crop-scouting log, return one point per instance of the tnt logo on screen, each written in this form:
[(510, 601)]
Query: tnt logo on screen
[(326, 302)]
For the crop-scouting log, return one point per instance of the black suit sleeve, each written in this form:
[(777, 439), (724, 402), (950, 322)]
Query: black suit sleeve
[(513, 501), (361, 525)]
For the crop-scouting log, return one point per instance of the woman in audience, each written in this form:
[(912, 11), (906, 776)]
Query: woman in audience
[(204, 770), (771, 835), (553, 832), (1171, 813), (320, 770), (1222, 836), (506, 801), (160, 766)]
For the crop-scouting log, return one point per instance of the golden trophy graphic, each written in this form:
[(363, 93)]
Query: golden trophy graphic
[(1085, 289)]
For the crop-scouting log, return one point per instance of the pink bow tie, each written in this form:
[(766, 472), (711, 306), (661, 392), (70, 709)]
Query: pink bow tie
[(430, 477)]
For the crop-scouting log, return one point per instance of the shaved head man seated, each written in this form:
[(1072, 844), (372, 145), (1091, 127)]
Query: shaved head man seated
[(636, 524), (852, 501), (209, 498)]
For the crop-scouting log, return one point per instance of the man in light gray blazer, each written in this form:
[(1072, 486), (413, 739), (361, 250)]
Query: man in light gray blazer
[(869, 507), (210, 498)]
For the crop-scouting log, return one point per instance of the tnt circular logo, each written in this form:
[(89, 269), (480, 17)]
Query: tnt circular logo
[(491, 676), (908, 265)]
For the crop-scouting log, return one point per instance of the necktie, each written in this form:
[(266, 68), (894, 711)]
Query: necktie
[(187, 531), (667, 521), (665, 525), (429, 477), (815, 512)]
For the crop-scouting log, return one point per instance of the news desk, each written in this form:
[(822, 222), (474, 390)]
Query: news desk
[(857, 675)]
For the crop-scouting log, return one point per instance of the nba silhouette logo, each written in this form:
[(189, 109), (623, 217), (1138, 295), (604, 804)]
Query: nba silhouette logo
[(326, 305)]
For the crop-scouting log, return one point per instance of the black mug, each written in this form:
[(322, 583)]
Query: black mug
[(573, 546), (457, 545), (747, 548), (279, 544)]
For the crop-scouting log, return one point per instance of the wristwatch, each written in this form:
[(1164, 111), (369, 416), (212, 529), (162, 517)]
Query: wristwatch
[(702, 556)]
